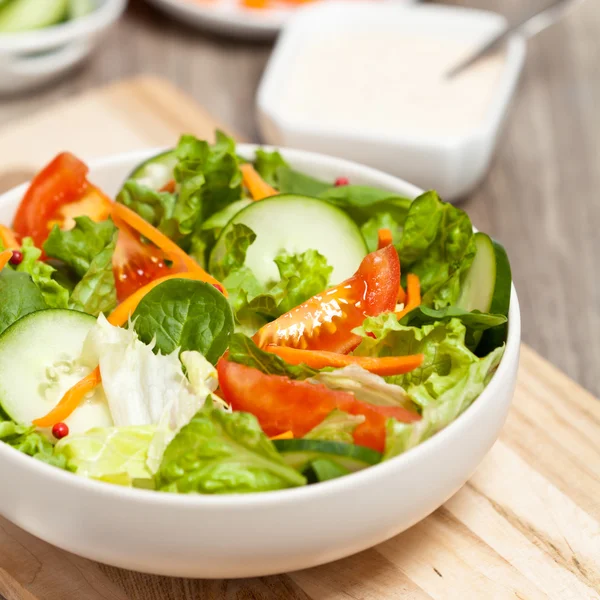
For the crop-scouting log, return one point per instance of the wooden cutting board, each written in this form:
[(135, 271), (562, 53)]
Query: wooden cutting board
[(526, 526)]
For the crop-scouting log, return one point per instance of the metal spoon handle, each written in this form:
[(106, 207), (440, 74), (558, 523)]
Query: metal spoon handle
[(528, 26)]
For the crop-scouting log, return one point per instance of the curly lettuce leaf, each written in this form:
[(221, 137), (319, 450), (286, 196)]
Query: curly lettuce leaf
[(25, 439), (223, 453), (54, 294), (338, 426), (475, 322), (451, 402), (267, 165), (115, 454), (87, 250), (437, 245), (78, 247)]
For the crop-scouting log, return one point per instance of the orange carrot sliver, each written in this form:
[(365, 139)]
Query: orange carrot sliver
[(8, 238), (257, 186), (5, 256), (288, 435), (319, 359), (120, 212), (384, 238), (413, 295), (71, 400)]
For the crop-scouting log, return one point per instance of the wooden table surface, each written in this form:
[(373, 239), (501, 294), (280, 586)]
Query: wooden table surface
[(541, 197)]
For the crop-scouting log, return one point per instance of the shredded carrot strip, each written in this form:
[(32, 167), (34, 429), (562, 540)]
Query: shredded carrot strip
[(121, 314), (319, 359), (413, 295), (8, 238), (401, 295), (169, 186), (5, 256), (288, 435), (121, 213), (257, 186), (384, 238), (71, 400)]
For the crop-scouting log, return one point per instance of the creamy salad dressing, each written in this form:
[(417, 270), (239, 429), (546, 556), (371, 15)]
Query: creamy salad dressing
[(391, 82)]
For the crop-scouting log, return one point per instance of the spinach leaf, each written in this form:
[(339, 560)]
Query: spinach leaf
[(186, 315), (244, 351), (223, 453), (289, 181), (20, 296)]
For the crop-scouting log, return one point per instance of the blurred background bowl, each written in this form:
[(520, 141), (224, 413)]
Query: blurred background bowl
[(32, 58)]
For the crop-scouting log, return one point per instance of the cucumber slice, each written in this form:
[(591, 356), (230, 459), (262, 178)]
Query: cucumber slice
[(25, 15), (157, 171), (296, 224), (81, 8), (487, 288), (39, 363), (325, 469), (300, 453), (488, 282)]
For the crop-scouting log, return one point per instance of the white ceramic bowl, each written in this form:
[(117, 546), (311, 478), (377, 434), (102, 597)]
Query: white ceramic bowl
[(452, 164), (230, 17), (254, 534), (32, 58)]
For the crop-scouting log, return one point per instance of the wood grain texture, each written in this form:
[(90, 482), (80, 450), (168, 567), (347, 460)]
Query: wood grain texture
[(526, 526)]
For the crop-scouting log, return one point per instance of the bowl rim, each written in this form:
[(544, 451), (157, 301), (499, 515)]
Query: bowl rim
[(460, 426), (62, 33), (278, 65)]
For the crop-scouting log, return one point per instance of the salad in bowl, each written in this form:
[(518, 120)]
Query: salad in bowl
[(228, 325)]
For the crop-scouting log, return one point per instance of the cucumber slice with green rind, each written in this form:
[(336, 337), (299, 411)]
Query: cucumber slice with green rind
[(295, 224), (487, 288), (39, 362), (300, 453), (157, 171), (27, 15)]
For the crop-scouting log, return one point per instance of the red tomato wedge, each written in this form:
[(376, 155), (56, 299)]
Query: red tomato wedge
[(137, 263), (281, 404), (59, 192), (326, 321)]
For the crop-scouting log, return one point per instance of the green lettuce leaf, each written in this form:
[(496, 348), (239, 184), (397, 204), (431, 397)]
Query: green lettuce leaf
[(382, 220), (475, 322), (156, 207), (78, 247), (20, 296), (244, 351), (221, 453), (449, 403), (55, 295), (208, 176), (87, 250), (25, 439), (116, 454), (267, 165), (186, 315), (237, 241), (437, 245), (289, 181), (365, 386), (338, 426)]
